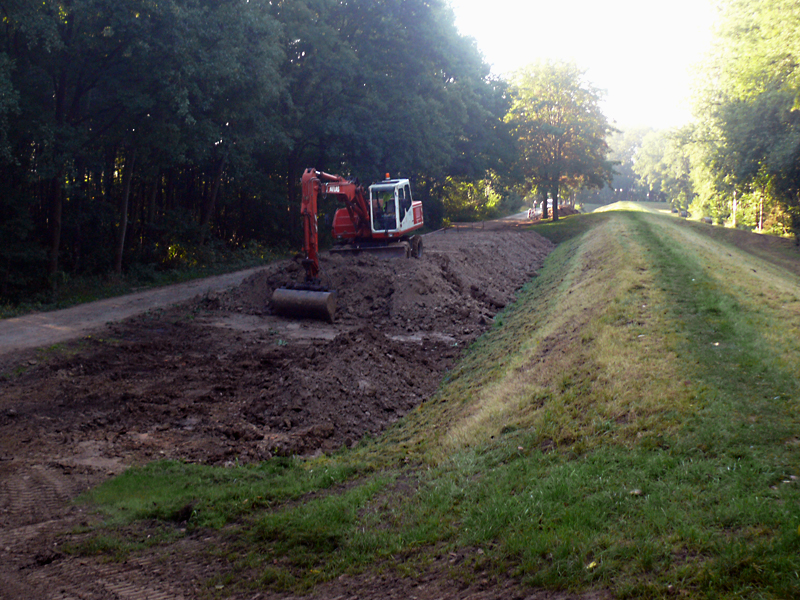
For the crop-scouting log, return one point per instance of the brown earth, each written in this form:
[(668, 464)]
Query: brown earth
[(219, 380)]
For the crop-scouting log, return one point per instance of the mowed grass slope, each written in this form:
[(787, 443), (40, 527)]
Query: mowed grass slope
[(631, 424)]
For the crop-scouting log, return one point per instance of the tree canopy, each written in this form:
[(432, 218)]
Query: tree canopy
[(664, 167), (746, 139)]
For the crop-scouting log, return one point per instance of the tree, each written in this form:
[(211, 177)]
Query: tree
[(747, 108), (664, 166), (561, 132), (390, 86), (624, 148), (9, 104)]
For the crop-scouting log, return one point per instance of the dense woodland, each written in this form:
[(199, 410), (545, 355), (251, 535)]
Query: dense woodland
[(139, 135), (134, 132)]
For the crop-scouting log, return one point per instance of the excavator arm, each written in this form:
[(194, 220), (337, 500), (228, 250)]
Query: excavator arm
[(350, 193), (310, 185)]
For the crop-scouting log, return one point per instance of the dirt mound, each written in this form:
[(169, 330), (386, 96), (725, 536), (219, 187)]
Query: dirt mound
[(465, 277), (337, 391), (221, 380)]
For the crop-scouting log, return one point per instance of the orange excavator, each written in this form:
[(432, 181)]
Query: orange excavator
[(378, 220)]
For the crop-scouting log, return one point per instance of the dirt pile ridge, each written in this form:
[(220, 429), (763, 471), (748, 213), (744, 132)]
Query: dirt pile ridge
[(220, 380)]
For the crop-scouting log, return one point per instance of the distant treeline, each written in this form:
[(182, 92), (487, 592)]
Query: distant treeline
[(131, 130), (738, 161)]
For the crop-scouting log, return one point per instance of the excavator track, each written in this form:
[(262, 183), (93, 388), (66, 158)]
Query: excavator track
[(399, 250), (405, 249)]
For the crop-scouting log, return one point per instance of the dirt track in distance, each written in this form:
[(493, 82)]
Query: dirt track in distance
[(218, 379)]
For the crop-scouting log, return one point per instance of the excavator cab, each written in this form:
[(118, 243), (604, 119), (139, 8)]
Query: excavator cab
[(390, 209)]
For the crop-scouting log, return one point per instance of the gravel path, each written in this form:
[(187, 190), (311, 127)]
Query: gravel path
[(43, 329)]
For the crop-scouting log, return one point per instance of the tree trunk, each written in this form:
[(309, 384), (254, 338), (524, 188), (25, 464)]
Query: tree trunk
[(242, 235), (151, 202), (127, 176), (555, 202), (293, 199), (81, 200), (211, 200), (56, 209), (135, 211), (169, 193), (55, 191)]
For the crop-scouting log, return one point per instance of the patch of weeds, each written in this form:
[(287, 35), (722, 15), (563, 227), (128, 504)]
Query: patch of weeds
[(16, 372), (323, 537), (50, 351), (173, 491), (109, 546)]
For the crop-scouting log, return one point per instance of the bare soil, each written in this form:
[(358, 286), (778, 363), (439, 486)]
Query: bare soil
[(218, 379)]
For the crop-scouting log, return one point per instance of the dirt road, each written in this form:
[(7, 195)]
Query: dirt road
[(218, 379), (44, 329)]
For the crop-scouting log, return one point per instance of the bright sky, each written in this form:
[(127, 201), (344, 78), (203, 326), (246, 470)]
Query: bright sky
[(638, 51)]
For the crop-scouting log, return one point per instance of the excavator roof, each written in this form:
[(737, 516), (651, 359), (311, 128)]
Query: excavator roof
[(387, 182)]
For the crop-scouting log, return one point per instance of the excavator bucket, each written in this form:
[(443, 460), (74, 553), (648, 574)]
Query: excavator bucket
[(309, 303)]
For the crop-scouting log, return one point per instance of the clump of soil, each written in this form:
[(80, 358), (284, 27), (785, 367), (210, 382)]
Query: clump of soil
[(221, 380)]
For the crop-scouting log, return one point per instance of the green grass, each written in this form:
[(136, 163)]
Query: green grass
[(630, 423), (211, 496), (568, 227)]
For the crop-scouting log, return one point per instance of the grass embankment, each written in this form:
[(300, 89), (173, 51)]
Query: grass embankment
[(631, 424)]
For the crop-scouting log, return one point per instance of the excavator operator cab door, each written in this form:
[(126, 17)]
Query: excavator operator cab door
[(383, 204), (392, 209), (405, 215)]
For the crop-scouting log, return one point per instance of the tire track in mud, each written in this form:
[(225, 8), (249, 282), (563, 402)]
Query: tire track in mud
[(34, 510), (132, 580), (32, 566), (37, 514), (32, 494), (71, 578)]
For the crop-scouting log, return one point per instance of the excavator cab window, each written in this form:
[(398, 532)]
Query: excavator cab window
[(404, 200), (384, 209)]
